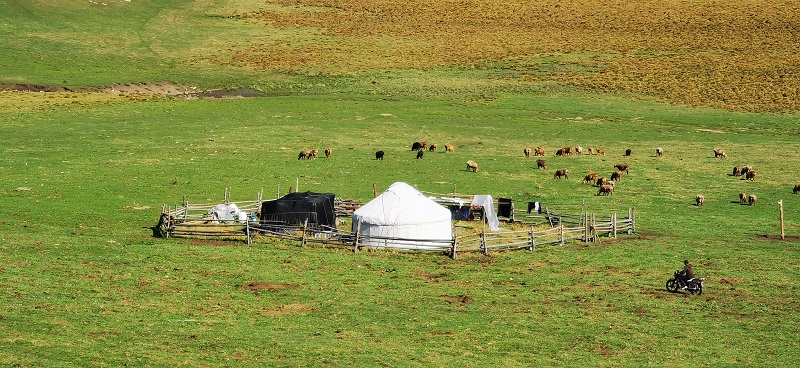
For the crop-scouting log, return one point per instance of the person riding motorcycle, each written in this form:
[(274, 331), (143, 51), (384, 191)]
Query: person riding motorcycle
[(686, 274)]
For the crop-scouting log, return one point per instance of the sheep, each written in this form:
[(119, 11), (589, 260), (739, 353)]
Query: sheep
[(539, 151), (699, 200), (623, 167), (718, 152), (303, 154), (540, 164), (449, 148), (527, 152), (659, 151), (420, 153), (472, 166), (328, 152), (560, 152), (600, 151), (606, 190), (379, 155), (751, 175), (796, 189), (423, 144), (313, 153), (416, 146), (567, 150), (561, 172), (742, 198), (745, 170), (737, 171), (589, 178), (751, 200), (601, 181), (628, 152), (590, 150), (617, 175), (579, 150), (433, 147)]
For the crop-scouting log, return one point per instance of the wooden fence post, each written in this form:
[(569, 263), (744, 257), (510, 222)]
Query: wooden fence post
[(358, 234), (247, 232), (533, 241), (303, 229), (454, 247), (614, 224), (561, 230), (633, 220), (483, 235)]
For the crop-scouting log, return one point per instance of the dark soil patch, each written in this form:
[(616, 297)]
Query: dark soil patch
[(450, 299), (257, 286)]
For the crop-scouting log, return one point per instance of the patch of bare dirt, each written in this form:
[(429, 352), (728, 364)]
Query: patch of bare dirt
[(450, 299), (257, 286), (147, 89)]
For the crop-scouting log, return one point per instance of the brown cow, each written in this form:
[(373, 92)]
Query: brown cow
[(751, 200), (623, 167), (449, 148), (527, 151), (328, 152), (561, 172), (472, 166), (737, 171), (600, 182), (539, 151), (699, 200), (420, 153), (796, 189), (659, 151), (433, 147), (589, 178), (606, 190), (718, 152), (742, 198), (540, 164), (616, 175), (600, 151), (751, 175)]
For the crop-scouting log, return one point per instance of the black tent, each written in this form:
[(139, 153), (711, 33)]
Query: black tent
[(296, 208)]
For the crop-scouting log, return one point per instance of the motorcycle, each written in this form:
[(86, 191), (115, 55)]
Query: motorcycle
[(693, 285)]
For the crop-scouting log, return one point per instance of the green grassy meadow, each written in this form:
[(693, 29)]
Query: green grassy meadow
[(83, 176)]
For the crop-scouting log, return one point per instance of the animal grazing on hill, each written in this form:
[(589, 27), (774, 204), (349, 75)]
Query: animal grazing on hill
[(379, 155), (416, 146), (579, 150), (313, 153), (472, 166), (745, 170), (751, 175), (699, 200), (600, 151), (420, 153), (601, 181), (606, 190), (718, 152), (590, 150), (623, 167), (540, 164), (659, 151), (303, 154), (433, 147), (561, 172), (796, 189), (616, 175), (568, 150), (449, 148), (328, 152), (527, 152), (589, 178), (737, 171), (560, 152), (539, 151), (424, 144), (751, 200), (628, 152), (742, 198)]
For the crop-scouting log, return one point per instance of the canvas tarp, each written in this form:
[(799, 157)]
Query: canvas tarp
[(486, 201), (296, 208), (402, 217)]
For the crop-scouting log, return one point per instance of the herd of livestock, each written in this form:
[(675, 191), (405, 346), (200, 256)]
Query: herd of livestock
[(605, 185)]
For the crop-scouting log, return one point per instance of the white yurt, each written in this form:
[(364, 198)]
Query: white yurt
[(403, 218)]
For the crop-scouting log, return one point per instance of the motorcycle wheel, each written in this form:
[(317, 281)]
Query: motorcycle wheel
[(673, 285)]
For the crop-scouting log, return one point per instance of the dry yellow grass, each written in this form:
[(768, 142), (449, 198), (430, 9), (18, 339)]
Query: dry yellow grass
[(741, 55)]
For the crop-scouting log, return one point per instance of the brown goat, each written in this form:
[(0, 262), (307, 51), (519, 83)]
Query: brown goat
[(699, 200), (472, 166), (578, 150), (718, 152), (433, 147), (616, 175), (561, 172), (751, 175), (313, 153), (568, 150), (423, 144), (601, 181), (449, 148), (742, 198), (304, 154), (737, 171), (589, 178), (560, 152), (328, 152), (539, 151), (527, 152), (420, 153), (623, 167), (659, 152), (600, 151), (751, 200), (540, 164), (591, 151), (606, 190)]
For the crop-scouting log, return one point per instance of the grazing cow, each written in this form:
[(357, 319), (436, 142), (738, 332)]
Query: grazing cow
[(328, 152), (303, 154), (472, 166), (699, 200), (628, 152), (527, 151), (540, 164), (579, 150), (420, 153), (742, 198), (313, 153), (718, 152), (796, 189), (379, 155), (600, 151), (659, 151), (449, 148), (616, 175), (433, 147), (589, 178), (561, 172), (751, 200), (737, 171), (606, 190), (601, 181), (539, 151), (416, 146), (560, 152), (623, 167), (751, 175)]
